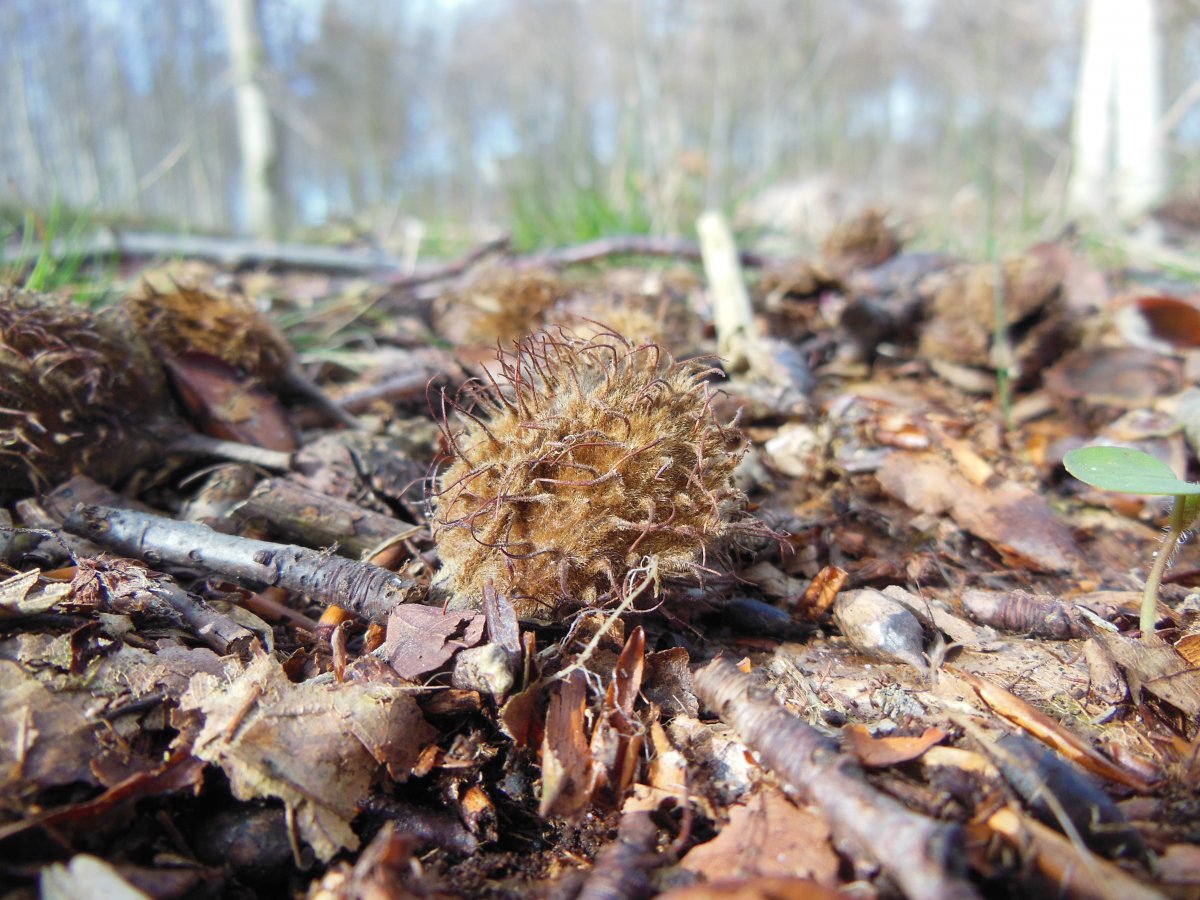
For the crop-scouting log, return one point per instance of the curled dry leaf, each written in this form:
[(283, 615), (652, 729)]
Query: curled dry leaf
[(317, 747)]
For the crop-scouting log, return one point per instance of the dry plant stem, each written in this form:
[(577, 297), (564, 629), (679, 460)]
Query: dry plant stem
[(924, 857), (1165, 552), (366, 590), (628, 245), (620, 869), (203, 445), (313, 520)]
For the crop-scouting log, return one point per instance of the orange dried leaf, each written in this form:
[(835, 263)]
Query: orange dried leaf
[(877, 753)]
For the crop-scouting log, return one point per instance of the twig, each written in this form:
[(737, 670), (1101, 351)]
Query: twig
[(650, 569), (923, 856), (627, 245), (620, 869), (203, 445), (361, 588), (216, 629), (308, 518)]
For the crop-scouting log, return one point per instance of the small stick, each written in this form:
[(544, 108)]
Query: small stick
[(732, 313), (217, 630), (923, 856), (203, 445), (368, 591), (310, 519), (620, 869)]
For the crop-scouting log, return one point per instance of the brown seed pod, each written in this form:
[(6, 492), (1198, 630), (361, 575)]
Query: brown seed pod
[(180, 316), (585, 457), (183, 316), (497, 304), (591, 315), (78, 393)]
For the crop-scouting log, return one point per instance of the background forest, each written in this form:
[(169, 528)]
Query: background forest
[(563, 119)]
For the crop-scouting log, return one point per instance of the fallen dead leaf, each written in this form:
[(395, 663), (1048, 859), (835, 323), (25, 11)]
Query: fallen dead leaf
[(315, 746), (767, 836), (421, 639), (879, 752)]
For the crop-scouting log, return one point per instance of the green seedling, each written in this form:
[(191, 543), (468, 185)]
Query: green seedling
[(1133, 472)]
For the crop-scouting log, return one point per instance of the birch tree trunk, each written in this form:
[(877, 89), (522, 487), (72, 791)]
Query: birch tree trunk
[(256, 134), (1118, 167)]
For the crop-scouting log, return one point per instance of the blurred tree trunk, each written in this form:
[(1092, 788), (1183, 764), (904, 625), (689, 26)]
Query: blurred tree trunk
[(1118, 164), (256, 134)]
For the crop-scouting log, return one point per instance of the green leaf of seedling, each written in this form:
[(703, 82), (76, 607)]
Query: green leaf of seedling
[(1127, 471)]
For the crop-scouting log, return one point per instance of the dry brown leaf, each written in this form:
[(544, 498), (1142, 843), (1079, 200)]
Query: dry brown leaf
[(318, 747), (1049, 732), (1158, 667), (421, 639), (45, 738), (768, 835), (1016, 521), (879, 752), (228, 405), (1180, 864)]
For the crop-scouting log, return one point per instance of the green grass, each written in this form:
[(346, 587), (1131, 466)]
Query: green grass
[(544, 217), (52, 254)]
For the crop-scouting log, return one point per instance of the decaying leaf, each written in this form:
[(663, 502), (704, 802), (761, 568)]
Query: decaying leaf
[(421, 639), (45, 738), (1158, 668), (315, 746), (768, 836)]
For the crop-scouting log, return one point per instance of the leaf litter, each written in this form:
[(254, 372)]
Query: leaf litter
[(533, 637)]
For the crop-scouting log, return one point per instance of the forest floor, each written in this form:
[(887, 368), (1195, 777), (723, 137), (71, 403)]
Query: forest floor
[(876, 642)]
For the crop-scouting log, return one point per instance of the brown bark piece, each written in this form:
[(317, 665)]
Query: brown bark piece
[(566, 760)]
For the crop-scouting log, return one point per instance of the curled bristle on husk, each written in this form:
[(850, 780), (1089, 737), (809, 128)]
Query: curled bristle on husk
[(78, 394), (185, 316), (583, 458)]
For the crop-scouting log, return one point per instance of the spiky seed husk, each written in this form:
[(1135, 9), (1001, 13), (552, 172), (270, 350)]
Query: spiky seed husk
[(188, 317), (584, 458), (79, 393), (497, 305)]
